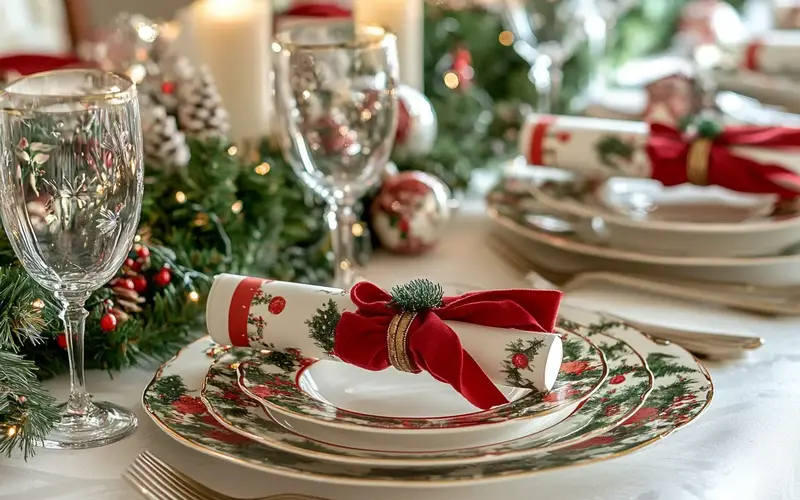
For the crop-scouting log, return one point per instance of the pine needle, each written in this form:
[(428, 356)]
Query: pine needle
[(417, 295)]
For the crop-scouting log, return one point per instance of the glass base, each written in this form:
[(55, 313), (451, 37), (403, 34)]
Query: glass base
[(105, 423)]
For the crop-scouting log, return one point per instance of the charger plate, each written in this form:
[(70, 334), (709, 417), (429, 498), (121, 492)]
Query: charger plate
[(620, 396), (682, 390)]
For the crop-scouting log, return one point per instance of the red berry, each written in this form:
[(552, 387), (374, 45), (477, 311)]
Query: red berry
[(520, 360), (617, 379), (139, 283), (137, 266), (143, 252), (129, 262), (126, 283), (168, 88), (108, 323), (276, 305), (163, 277), (62, 340)]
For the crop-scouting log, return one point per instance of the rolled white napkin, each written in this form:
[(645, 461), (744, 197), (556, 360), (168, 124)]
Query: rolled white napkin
[(277, 315)]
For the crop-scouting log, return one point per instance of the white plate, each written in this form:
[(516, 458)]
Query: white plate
[(567, 255), (642, 215)]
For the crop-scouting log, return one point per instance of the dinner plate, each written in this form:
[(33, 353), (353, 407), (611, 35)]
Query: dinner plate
[(572, 254), (316, 398), (620, 396), (642, 215), (681, 392)]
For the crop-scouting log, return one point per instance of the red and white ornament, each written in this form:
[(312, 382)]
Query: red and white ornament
[(108, 323), (409, 211), (417, 125)]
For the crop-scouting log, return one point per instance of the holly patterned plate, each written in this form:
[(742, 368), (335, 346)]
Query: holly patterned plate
[(620, 397), (681, 392), (308, 390)]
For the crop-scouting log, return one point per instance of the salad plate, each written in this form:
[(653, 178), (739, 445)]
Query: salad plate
[(316, 398), (621, 395), (682, 390), (642, 215)]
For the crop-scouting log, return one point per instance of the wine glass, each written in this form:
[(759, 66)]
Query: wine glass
[(336, 86), (547, 33), (71, 184)]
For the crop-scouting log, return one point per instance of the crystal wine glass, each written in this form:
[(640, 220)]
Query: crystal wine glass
[(547, 34), (71, 184), (336, 86)]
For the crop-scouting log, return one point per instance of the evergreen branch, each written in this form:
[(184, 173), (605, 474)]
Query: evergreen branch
[(27, 412), (417, 295)]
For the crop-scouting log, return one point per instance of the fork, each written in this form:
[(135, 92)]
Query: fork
[(709, 345), (156, 480)]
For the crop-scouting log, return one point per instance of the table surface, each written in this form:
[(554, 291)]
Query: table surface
[(745, 447)]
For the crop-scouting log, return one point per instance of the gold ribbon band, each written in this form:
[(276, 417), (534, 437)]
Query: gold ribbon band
[(397, 341), (697, 162)]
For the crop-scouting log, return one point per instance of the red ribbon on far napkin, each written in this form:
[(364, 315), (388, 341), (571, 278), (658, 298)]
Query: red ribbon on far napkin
[(317, 10), (27, 64), (360, 337), (669, 150)]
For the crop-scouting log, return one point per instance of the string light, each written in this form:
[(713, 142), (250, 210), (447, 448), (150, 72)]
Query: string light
[(194, 296), (236, 208), (38, 304), (233, 150), (451, 80), (180, 197), (12, 431), (137, 238), (263, 169), (358, 230), (201, 220), (506, 38)]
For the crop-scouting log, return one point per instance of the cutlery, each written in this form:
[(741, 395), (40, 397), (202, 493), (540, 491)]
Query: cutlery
[(750, 298), (156, 480), (701, 343)]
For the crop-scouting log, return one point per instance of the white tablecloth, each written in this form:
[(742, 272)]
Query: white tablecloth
[(745, 447)]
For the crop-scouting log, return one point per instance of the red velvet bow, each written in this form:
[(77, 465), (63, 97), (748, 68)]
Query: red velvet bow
[(668, 150), (321, 10), (360, 337), (27, 64)]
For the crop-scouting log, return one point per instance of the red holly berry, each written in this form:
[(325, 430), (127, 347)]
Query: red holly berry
[(163, 277), (276, 305), (139, 283), (62, 340), (108, 323), (168, 88), (129, 262), (125, 283), (563, 136), (143, 252), (617, 379), (520, 360)]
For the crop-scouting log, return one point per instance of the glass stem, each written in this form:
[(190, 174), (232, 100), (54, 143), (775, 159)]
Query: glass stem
[(340, 218), (74, 316)]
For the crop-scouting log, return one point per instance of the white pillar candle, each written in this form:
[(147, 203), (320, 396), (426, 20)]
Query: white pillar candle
[(233, 39), (404, 18)]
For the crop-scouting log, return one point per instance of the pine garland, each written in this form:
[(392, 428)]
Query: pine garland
[(224, 213)]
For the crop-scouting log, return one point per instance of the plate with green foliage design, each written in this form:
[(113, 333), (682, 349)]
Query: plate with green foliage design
[(682, 390)]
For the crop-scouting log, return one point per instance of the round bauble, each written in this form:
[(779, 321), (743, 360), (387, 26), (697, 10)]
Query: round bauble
[(417, 126), (163, 277), (108, 323), (409, 211)]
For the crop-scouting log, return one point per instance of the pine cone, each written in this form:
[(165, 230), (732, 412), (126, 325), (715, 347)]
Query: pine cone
[(200, 111), (164, 144)]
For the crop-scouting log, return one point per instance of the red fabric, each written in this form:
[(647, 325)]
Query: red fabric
[(28, 64), (239, 310), (317, 10), (360, 337), (668, 149), (536, 149), (750, 61)]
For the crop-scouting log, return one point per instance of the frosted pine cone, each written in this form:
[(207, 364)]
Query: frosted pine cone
[(200, 110), (164, 144)]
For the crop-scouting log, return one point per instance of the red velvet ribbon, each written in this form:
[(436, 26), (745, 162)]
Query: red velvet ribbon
[(433, 346), (28, 64), (668, 150), (321, 10)]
